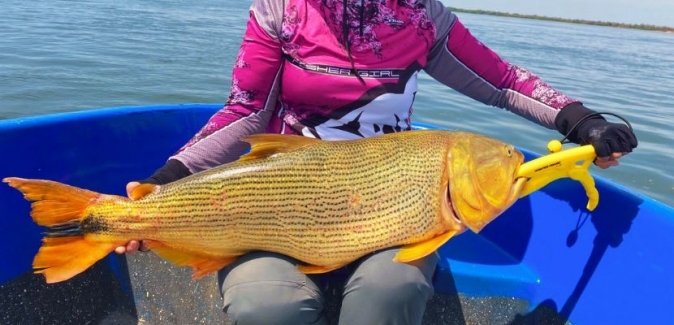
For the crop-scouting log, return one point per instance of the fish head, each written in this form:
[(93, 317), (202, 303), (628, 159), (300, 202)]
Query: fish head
[(482, 179)]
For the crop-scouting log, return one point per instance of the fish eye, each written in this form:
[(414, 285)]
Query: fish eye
[(509, 151)]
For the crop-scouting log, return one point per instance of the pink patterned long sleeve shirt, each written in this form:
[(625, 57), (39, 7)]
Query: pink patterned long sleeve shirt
[(293, 74)]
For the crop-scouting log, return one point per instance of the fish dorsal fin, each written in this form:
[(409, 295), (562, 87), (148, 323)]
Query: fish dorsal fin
[(266, 145), (141, 191)]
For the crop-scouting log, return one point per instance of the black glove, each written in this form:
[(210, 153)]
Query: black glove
[(605, 137), (173, 170)]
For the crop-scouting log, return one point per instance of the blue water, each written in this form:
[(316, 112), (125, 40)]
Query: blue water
[(58, 56)]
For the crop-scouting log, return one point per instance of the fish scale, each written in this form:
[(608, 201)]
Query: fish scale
[(325, 203), (302, 203)]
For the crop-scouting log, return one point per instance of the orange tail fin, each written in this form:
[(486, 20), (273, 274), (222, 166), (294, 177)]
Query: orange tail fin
[(54, 203), (59, 207), (61, 258)]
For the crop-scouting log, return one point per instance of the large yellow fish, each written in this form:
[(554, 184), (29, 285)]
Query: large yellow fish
[(325, 203)]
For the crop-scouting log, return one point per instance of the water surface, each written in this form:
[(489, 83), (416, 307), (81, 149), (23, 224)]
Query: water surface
[(58, 56)]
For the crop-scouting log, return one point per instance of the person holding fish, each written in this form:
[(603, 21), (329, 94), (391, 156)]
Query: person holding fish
[(348, 69)]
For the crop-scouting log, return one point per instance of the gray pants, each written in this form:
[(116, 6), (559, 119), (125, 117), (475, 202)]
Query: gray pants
[(263, 288)]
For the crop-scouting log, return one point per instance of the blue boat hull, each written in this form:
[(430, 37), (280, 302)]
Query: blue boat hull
[(610, 266)]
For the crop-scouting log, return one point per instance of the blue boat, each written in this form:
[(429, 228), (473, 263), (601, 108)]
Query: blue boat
[(547, 260)]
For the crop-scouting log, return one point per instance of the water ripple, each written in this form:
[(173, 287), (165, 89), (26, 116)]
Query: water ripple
[(58, 55)]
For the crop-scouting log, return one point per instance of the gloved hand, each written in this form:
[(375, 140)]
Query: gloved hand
[(610, 140)]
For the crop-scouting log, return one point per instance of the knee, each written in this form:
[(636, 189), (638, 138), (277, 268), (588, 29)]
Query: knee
[(392, 284), (397, 297), (272, 302), (395, 290), (266, 288)]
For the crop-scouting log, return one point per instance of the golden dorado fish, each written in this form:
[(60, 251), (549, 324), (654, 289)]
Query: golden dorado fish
[(324, 203)]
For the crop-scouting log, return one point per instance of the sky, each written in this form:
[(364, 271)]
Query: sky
[(651, 12)]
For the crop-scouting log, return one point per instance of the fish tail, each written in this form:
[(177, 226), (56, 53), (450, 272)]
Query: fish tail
[(53, 203), (60, 208)]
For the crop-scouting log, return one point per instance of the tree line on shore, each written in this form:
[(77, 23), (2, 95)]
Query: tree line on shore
[(574, 21)]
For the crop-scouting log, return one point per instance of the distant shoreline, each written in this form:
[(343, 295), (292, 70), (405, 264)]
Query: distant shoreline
[(665, 29)]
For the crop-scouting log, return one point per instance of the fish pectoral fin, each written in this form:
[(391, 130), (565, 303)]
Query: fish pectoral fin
[(318, 269), (412, 252), (61, 258), (142, 190), (202, 265), (266, 145)]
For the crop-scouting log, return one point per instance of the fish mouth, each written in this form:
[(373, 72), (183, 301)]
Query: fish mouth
[(450, 207), (517, 188)]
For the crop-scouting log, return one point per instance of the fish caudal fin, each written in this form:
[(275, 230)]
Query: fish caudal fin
[(412, 252), (201, 265), (53, 203), (59, 207), (61, 258)]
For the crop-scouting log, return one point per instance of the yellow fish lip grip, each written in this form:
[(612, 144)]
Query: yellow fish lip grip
[(573, 163)]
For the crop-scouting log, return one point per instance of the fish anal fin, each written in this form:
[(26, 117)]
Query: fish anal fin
[(142, 190), (61, 258), (318, 269), (202, 265), (206, 266), (266, 145), (412, 252)]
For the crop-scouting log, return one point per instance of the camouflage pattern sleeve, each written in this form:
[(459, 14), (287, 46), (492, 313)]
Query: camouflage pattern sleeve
[(463, 63), (251, 103)]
